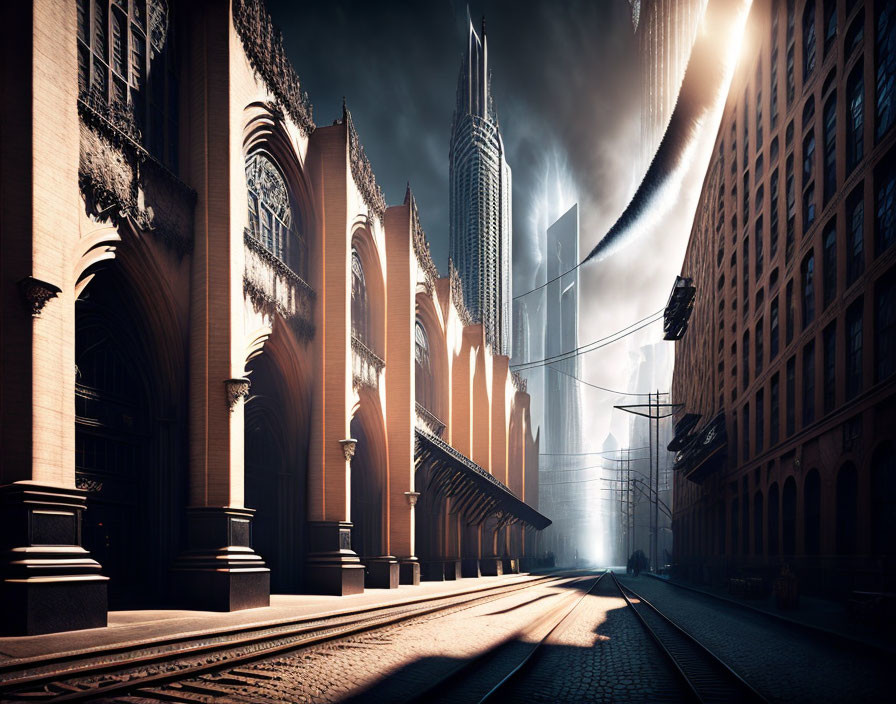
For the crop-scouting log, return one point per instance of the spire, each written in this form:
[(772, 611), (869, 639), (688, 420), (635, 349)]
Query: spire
[(407, 194)]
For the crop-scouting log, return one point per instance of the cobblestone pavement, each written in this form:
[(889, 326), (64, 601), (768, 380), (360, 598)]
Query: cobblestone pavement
[(781, 662), (601, 654)]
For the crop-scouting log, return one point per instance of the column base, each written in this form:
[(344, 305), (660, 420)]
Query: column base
[(49, 582), (409, 571), (511, 565), (491, 567), (333, 568), (469, 567), (381, 573), (453, 570), (220, 571)]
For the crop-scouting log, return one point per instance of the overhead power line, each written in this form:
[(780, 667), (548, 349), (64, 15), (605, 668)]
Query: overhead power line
[(595, 345), (602, 388)]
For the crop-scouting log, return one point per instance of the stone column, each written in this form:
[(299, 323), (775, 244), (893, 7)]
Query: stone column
[(49, 582), (333, 567), (219, 569)]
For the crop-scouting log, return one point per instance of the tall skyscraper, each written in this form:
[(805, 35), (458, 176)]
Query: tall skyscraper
[(480, 224), (666, 30)]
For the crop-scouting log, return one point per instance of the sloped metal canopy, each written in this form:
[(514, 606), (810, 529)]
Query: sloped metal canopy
[(683, 430), (475, 493)]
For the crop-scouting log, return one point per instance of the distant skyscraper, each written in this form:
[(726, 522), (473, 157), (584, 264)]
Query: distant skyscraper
[(666, 30), (480, 224)]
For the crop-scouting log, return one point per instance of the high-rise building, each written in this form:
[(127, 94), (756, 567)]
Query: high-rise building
[(562, 420), (480, 204), (790, 357), (665, 30)]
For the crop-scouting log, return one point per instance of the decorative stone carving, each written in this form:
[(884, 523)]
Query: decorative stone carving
[(121, 181), (348, 448), (421, 245), (237, 390), (263, 45), (428, 421), (89, 485), (366, 365), (274, 288), (412, 497), (519, 382), (362, 172), (158, 25), (36, 293), (457, 295)]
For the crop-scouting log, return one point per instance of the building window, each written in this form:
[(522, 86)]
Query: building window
[(773, 330), (830, 147), (807, 282), (746, 268), (422, 367), (271, 220), (746, 212), (791, 88), (885, 206), (885, 59), (808, 207), (855, 118), (124, 60), (745, 369), (808, 383), (788, 302), (760, 421), (854, 350), (360, 307), (830, 24), (774, 411), (854, 35), (808, 40), (745, 417), (790, 416), (773, 222), (791, 206), (855, 248), (830, 366), (760, 352), (885, 324), (830, 262), (759, 238)]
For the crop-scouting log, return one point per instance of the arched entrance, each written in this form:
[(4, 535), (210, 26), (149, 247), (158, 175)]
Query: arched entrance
[(276, 461), (368, 488), (788, 504), (126, 444)]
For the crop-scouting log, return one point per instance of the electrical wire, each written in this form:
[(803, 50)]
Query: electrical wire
[(548, 283), (591, 346), (603, 388)]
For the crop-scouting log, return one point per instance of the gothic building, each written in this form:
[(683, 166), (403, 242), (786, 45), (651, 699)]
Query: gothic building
[(480, 198), (230, 366), (788, 369)]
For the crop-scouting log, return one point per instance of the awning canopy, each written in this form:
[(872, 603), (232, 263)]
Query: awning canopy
[(683, 430), (475, 493), (705, 452)]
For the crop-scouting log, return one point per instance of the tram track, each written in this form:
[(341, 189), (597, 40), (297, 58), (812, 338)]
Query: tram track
[(119, 671), (707, 678)]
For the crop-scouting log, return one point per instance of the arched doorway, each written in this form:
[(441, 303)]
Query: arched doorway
[(773, 517), (788, 501), (127, 447), (847, 509), (368, 488), (883, 500), (812, 512), (276, 461)]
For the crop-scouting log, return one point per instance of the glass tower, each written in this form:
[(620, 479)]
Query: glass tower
[(480, 207)]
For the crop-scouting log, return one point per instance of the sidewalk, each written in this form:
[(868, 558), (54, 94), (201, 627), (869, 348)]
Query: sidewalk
[(131, 629), (829, 617)]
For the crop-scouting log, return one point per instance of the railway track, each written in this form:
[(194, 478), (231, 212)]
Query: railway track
[(149, 668), (705, 676), (493, 673)]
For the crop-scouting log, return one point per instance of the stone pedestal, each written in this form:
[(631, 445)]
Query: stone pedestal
[(50, 583), (381, 572), (333, 568), (409, 571), (453, 570), (469, 567), (491, 566), (220, 571)]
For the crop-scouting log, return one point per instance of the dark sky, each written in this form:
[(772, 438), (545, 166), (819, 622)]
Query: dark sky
[(565, 85)]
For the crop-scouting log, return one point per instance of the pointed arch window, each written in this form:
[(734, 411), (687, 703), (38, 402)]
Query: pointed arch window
[(422, 367), (360, 307), (271, 220)]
